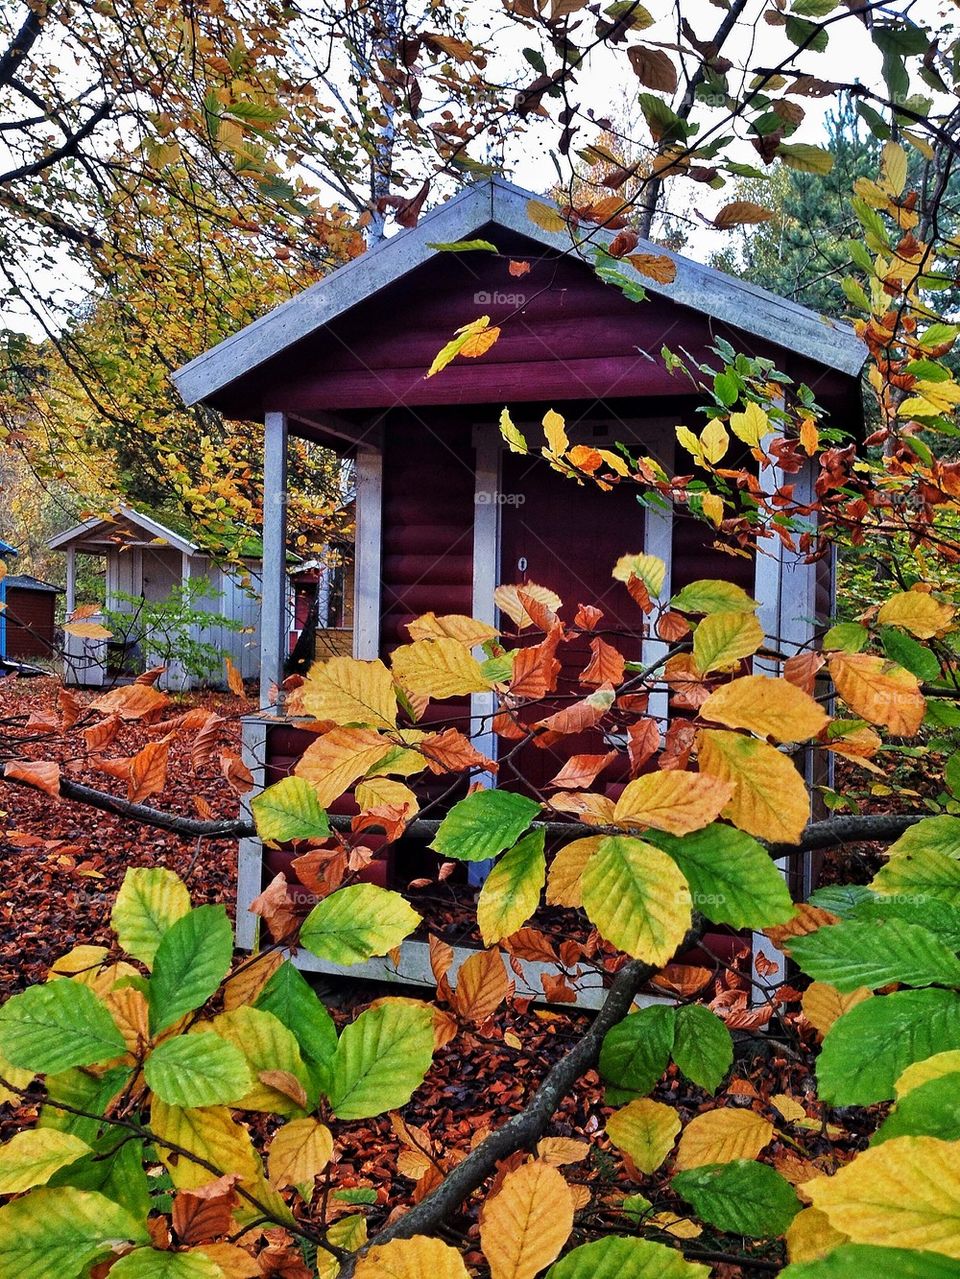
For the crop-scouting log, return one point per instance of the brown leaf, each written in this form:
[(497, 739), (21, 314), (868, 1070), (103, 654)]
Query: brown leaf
[(148, 771), (588, 617), (738, 212), (234, 678), (643, 742), (205, 1214), (535, 669), (451, 752), (43, 722), (284, 1082), (99, 736), (518, 269), (71, 707), (622, 243), (656, 266), (557, 989), (482, 986), (205, 742), (151, 676), (672, 627), (653, 68), (278, 908), (801, 670), (807, 920), (236, 772), (133, 701), (580, 770), (530, 943), (43, 774), (683, 980), (605, 666)]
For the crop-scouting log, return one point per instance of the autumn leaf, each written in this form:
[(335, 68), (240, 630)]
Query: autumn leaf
[(205, 1213), (606, 664), (337, 758), (417, 1258), (467, 630), (768, 707), (676, 802), (645, 1130), (87, 630), (482, 986), (299, 1151), (580, 770), (507, 599), (44, 775), (234, 678), (349, 691), (438, 668), (879, 691), (148, 771), (770, 799), (823, 1004), (916, 612), (722, 1135), (133, 701), (656, 266), (525, 1225), (637, 897), (723, 639), (472, 340), (740, 212), (564, 880)]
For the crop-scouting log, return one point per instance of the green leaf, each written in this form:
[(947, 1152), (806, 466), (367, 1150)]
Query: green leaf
[(710, 596), (55, 1234), (192, 959), (636, 1051), (511, 892), (702, 1046), (852, 954), (637, 897), (114, 1169), (806, 158), (197, 1070), (907, 652), (620, 1258), (742, 1197), (484, 824), (924, 862), (60, 1024), (929, 1110), (951, 774), (32, 1156), (853, 1261), (846, 637), (289, 810), (266, 1045), (809, 35), (81, 1091), (381, 1060), (867, 1050), (150, 900), (289, 997), (938, 917), (841, 899), (150, 1263), (465, 246), (854, 292), (355, 923), (732, 877)]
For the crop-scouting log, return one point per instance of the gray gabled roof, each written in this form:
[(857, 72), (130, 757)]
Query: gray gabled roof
[(494, 200)]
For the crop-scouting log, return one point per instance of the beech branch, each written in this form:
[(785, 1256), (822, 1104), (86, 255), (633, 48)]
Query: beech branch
[(526, 1128), (830, 833)]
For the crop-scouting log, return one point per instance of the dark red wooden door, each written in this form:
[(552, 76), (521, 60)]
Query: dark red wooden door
[(568, 538)]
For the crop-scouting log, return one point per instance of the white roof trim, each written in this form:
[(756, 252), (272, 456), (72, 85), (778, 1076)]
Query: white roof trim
[(736, 302), (154, 528)]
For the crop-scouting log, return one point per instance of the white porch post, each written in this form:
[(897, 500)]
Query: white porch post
[(486, 571), (273, 593), (787, 590), (368, 551), (71, 579), (658, 540)]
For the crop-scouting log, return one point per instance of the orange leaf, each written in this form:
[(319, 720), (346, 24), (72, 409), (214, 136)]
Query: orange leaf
[(879, 691), (205, 742), (234, 678), (98, 736), (580, 770), (133, 701), (530, 943), (44, 775), (605, 666), (236, 772), (482, 986), (148, 771), (450, 752), (535, 669), (672, 627), (801, 670), (643, 742), (202, 1215), (526, 1224), (71, 707), (518, 269)]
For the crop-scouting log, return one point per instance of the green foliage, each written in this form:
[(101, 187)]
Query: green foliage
[(616, 1258), (381, 1058), (702, 1046), (853, 1261), (57, 1026), (359, 921), (743, 1197), (197, 1070), (55, 1234), (192, 959), (484, 824), (289, 810), (878, 953), (171, 630), (636, 1051), (732, 879), (931, 1109)]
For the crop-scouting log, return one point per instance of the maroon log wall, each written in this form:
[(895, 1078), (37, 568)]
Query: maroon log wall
[(29, 616)]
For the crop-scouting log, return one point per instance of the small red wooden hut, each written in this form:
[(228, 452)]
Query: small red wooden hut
[(444, 513), (30, 616)]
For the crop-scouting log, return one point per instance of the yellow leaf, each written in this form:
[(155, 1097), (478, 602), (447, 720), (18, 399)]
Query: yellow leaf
[(673, 1225), (789, 1107), (270, 1049), (894, 167), (737, 212), (466, 630), (336, 759), (712, 505), (768, 707), (650, 569), (299, 1151), (16, 1076), (376, 792), (810, 1236), (512, 436), (30, 1158), (879, 691), (545, 217), (210, 1133), (438, 668), (751, 425), (904, 1193), (416, 1258), (646, 1131), (561, 1150), (723, 639), (690, 442), (87, 630), (714, 441), (472, 339), (656, 266), (566, 871), (916, 612), (769, 798), (637, 897), (349, 1233), (508, 600), (674, 801), (349, 691), (511, 892), (809, 436), (822, 1004), (921, 1072), (720, 1136), (527, 1222), (555, 431)]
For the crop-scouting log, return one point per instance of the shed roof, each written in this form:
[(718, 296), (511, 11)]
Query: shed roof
[(25, 582), (499, 203), (99, 533), (7, 549)]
